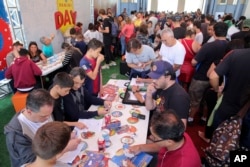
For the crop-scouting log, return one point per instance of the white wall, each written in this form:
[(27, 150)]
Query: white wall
[(167, 5), (247, 10), (192, 6), (38, 19)]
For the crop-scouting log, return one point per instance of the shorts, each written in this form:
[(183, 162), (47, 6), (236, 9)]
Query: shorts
[(196, 91)]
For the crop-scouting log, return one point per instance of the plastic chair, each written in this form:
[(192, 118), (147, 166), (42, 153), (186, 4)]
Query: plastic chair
[(19, 100)]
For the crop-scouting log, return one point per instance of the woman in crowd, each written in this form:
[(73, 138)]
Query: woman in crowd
[(187, 70), (91, 33), (127, 32), (35, 53), (142, 35)]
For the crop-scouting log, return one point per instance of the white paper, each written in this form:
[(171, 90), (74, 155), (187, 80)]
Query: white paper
[(133, 82), (69, 156), (132, 96), (93, 125)]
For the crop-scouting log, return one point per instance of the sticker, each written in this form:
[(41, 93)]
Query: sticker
[(132, 120), (132, 129), (116, 113), (84, 146), (120, 107), (112, 132), (88, 134), (119, 152), (127, 140), (134, 110)]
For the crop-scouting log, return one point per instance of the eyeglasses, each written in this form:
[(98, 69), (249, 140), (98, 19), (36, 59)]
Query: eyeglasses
[(155, 139)]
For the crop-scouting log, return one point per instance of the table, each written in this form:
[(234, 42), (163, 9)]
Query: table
[(5, 87), (53, 63), (116, 144)]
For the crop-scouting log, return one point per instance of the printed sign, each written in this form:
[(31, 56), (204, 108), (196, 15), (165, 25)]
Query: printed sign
[(65, 17)]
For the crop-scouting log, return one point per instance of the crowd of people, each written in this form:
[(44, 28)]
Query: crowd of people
[(189, 61)]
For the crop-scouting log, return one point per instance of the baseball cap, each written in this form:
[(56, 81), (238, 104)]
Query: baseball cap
[(160, 68), (246, 23)]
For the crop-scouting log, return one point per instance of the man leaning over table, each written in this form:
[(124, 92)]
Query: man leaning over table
[(164, 93), (139, 58), (20, 131), (175, 148), (62, 83), (79, 99)]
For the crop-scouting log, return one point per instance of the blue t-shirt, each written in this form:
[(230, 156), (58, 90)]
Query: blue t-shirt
[(48, 50)]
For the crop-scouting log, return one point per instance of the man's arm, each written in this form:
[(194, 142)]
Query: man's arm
[(150, 103), (214, 80), (72, 112), (194, 62), (36, 69), (176, 67), (93, 74), (151, 147), (19, 148), (8, 73)]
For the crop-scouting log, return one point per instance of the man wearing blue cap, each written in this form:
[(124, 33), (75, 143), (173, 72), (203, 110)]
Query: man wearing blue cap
[(164, 93)]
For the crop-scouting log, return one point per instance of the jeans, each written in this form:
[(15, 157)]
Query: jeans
[(141, 74), (123, 45)]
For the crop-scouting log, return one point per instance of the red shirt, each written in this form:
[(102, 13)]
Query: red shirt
[(23, 72), (185, 156), (88, 64)]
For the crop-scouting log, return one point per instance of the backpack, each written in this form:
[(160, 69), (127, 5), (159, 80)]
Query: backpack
[(114, 29), (225, 139)]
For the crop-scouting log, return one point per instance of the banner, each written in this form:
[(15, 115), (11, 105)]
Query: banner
[(65, 17)]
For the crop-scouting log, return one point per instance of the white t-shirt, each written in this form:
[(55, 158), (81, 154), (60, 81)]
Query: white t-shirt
[(173, 55), (231, 30), (32, 125), (199, 38), (154, 20), (88, 35)]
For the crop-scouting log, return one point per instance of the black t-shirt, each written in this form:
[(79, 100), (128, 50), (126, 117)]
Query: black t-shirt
[(58, 112), (175, 98), (107, 37), (236, 69), (209, 53), (239, 35), (179, 32)]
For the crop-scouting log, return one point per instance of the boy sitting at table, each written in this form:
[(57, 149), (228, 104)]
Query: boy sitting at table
[(62, 83), (23, 71), (49, 142), (79, 99)]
